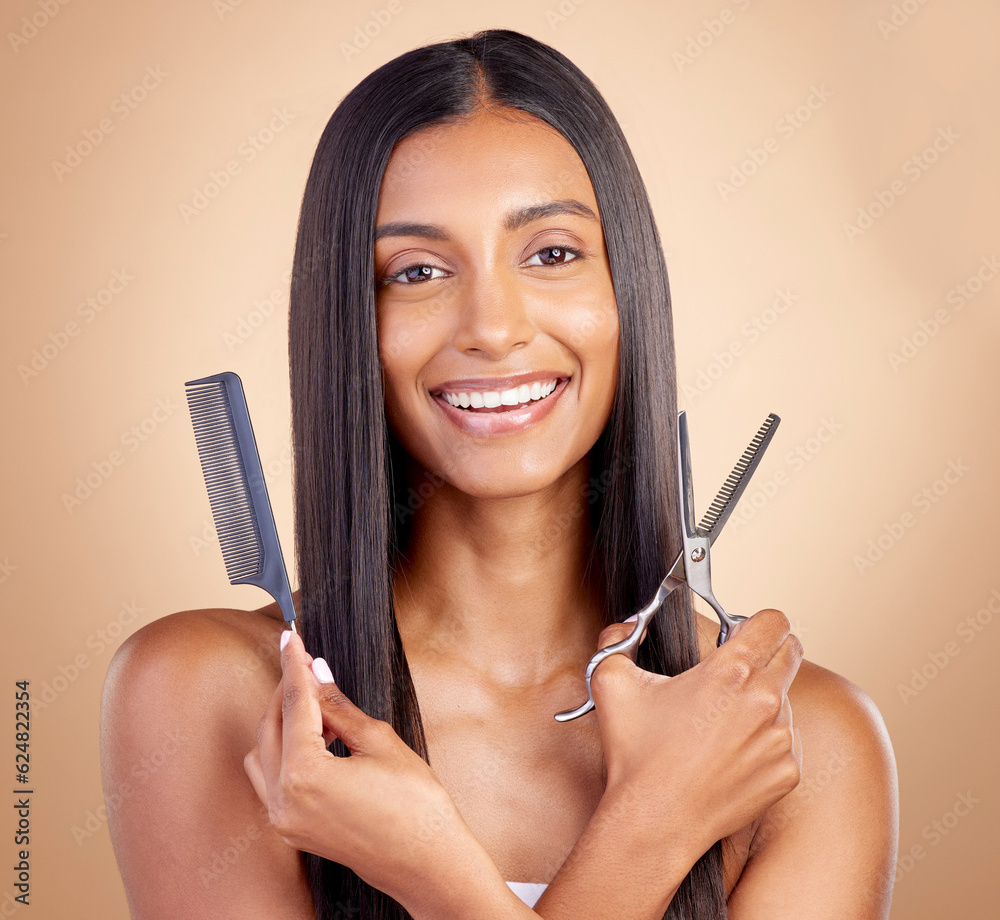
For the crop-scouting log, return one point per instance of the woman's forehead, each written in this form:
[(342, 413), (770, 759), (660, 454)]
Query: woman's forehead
[(492, 154)]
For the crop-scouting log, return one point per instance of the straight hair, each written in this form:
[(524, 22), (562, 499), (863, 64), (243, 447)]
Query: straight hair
[(350, 511)]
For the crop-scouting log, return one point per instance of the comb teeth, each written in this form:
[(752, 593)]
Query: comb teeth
[(228, 489), (732, 488)]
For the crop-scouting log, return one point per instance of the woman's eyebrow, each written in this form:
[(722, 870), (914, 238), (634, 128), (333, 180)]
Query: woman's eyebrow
[(402, 228), (514, 220), (517, 219)]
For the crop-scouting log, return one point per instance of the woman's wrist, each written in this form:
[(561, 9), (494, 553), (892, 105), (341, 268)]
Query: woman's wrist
[(664, 816), (455, 877), (624, 866)]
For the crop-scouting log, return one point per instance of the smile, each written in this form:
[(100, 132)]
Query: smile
[(501, 411), (499, 400)]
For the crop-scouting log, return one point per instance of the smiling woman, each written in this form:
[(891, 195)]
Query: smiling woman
[(484, 407), (490, 275)]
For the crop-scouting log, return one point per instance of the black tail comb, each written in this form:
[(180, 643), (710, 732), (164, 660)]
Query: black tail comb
[(236, 489)]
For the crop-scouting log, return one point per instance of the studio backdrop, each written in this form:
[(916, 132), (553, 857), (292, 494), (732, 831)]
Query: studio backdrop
[(824, 178)]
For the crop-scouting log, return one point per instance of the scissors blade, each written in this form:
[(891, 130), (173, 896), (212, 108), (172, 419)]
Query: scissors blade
[(735, 485), (675, 578), (684, 480)]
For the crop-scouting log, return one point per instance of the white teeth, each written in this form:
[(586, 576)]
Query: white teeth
[(490, 399)]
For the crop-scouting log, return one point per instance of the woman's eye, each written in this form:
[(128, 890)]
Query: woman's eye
[(414, 274), (553, 255)]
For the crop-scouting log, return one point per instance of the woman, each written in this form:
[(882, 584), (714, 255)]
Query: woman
[(484, 404)]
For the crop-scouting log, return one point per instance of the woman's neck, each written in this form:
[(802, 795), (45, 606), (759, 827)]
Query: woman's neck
[(501, 585)]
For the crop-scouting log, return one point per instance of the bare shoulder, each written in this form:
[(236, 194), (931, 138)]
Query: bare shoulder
[(848, 766), (182, 699), (837, 719), (834, 835), (199, 646), (841, 722)]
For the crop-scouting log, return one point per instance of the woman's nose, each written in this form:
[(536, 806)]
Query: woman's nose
[(492, 316)]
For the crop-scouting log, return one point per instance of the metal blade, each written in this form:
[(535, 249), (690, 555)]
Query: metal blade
[(733, 488), (684, 481), (675, 578)]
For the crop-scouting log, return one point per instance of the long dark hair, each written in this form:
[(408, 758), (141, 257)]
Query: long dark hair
[(346, 494)]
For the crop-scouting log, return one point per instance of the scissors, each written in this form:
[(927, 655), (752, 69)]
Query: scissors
[(693, 566)]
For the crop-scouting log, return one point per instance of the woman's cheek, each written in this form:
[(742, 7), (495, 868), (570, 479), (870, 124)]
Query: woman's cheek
[(593, 325), (394, 342)]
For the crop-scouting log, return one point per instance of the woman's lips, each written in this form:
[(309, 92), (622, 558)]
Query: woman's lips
[(502, 419)]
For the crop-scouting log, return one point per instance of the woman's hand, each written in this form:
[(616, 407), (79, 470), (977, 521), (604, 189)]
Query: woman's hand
[(382, 811), (708, 750)]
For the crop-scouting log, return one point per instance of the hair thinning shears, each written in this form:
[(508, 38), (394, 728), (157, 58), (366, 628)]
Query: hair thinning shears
[(693, 566)]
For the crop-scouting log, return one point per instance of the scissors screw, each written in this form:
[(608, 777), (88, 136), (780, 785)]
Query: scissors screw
[(697, 554)]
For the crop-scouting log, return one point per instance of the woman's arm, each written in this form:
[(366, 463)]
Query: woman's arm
[(614, 872), (182, 703), (827, 850), (619, 870), (181, 706), (674, 785), (383, 812), (690, 759), (181, 699)]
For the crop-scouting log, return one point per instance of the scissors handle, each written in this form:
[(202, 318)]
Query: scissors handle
[(627, 646), (698, 569), (726, 620)]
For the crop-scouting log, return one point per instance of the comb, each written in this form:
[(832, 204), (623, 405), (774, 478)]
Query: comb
[(725, 501), (236, 489)]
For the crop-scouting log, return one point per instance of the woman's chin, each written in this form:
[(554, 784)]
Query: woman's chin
[(503, 482)]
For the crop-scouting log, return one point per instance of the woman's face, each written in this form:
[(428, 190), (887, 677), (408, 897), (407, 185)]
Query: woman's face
[(497, 322)]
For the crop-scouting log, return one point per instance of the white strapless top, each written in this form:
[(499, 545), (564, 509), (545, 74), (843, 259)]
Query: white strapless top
[(529, 892)]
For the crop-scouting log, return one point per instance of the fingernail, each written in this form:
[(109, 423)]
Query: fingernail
[(285, 636), (631, 619), (322, 671)]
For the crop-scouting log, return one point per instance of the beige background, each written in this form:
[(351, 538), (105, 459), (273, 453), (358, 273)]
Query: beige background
[(76, 579)]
